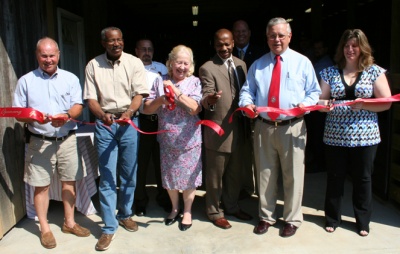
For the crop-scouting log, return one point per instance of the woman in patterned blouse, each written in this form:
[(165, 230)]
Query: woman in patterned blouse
[(351, 134)]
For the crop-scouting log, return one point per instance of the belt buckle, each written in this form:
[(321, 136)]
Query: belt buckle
[(277, 122), (153, 118)]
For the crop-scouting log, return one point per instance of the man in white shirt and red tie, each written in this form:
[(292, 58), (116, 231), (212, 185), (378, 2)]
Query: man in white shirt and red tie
[(280, 140)]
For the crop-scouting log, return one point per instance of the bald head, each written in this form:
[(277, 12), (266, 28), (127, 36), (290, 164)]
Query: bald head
[(223, 43), (46, 41)]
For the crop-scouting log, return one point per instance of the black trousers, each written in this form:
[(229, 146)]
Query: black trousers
[(358, 162), (149, 148)]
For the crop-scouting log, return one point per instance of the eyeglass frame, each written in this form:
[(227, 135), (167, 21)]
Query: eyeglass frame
[(280, 37), (112, 41)]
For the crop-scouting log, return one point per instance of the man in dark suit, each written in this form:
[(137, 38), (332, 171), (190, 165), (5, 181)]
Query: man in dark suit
[(248, 52), (241, 36), (223, 162)]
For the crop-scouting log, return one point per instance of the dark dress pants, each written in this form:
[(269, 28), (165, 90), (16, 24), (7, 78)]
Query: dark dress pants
[(149, 148), (358, 162)]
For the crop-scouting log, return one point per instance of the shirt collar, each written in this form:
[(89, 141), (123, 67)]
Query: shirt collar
[(225, 61), (244, 48), (45, 75), (118, 61), (283, 55)]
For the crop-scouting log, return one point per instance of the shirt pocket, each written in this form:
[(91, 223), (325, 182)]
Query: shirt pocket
[(295, 83), (65, 101)]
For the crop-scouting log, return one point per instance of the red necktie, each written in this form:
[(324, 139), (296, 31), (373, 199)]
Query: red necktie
[(273, 95)]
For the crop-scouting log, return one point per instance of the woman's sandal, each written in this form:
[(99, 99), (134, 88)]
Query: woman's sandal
[(330, 229), (363, 233)]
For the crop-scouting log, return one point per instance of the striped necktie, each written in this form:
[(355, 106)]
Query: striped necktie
[(241, 53)]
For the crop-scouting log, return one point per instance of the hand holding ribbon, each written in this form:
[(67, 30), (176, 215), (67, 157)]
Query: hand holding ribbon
[(58, 120), (170, 97)]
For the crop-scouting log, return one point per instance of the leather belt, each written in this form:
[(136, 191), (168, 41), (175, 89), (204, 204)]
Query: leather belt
[(152, 118), (53, 138), (279, 122), (119, 114)]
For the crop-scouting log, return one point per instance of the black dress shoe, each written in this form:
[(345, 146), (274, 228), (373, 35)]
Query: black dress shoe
[(169, 222), (140, 211), (184, 227), (240, 215), (261, 228), (288, 230)]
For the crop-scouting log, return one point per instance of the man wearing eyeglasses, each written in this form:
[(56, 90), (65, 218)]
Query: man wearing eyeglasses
[(145, 51), (149, 147), (283, 79), (115, 85)]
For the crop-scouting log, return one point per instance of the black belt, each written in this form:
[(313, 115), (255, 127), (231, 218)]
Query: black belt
[(53, 138), (278, 122), (152, 118), (119, 114)]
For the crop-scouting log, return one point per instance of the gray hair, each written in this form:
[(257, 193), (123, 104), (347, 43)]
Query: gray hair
[(110, 28), (276, 21)]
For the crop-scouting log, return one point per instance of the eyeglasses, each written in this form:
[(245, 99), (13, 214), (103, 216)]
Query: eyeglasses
[(112, 41), (145, 49), (272, 37)]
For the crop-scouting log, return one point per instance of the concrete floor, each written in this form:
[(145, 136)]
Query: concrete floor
[(203, 237)]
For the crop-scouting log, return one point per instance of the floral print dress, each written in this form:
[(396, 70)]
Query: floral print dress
[(180, 149)]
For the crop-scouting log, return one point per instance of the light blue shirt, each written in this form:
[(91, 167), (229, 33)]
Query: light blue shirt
[(298, 82), (157, 67), (51, 95), (243, 49)]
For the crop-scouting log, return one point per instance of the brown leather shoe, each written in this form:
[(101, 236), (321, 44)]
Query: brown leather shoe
[(76, 230), (47, 240), (288, 230), (129, 224), (240, 215), (222, 223), (104, 241), (261, 228)]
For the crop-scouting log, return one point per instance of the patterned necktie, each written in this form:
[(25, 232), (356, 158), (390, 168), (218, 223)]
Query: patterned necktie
[(241, 53), (273, 95), (231, 73)]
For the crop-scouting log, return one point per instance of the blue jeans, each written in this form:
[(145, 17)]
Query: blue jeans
[(117, 149)]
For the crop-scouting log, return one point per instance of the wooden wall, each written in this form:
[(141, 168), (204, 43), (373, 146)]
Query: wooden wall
[(21, 24)]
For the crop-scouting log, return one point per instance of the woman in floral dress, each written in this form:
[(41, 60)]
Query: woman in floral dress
[(180, 148)]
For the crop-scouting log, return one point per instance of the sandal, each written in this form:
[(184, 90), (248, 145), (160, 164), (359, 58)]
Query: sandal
[(363, 233), (330, 228)]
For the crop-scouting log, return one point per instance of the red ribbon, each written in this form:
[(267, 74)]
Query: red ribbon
[(170, 95), (137, 128), (22, 113), (212, 125), (301, 110), (38, 116)]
